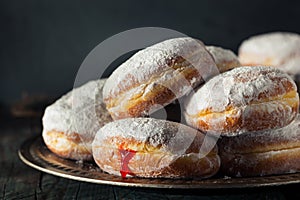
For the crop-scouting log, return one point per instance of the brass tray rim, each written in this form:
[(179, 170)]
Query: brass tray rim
[(26, 156)]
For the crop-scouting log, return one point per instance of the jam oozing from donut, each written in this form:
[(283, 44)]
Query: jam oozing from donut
[(126, 156)]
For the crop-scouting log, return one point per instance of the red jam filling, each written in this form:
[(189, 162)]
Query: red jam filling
[(126, 156)]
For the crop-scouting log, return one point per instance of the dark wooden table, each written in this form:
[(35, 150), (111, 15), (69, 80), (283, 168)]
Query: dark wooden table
[(19, 181)]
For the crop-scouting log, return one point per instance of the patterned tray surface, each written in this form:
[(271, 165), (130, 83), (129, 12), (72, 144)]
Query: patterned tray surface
[(34, 153)]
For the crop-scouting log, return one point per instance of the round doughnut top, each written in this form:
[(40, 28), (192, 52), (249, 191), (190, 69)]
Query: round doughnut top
[(221, 55), (240, 87), (79, 111), (277, 45), (166, 135), (155, 60)]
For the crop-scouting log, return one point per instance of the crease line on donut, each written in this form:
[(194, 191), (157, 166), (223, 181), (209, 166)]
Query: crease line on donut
[(262, 152), (157, 151), (287, 99), (140, 147), (181, 71), (176, 63)]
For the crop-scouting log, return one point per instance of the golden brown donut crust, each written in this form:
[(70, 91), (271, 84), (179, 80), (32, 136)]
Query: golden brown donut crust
[(163, 152), (185, 166), (70, 123), (274, 151), (261, 164), (225, 59), (157, 75), (235, 102), (138, 104), (68, 146), (287, 137)]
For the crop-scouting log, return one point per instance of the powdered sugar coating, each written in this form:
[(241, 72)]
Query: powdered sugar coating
[(226, 89), (292, 66), (261, 164), (169, 137), (239, 88), (153, 61), (149, 130), (262, 141), (80, 111), (223, 57), (271, 48), (259, 153), (158, 144)]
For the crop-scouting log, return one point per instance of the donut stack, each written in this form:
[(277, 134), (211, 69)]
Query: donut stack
[(254, 109), (136, 145), (236, 118)]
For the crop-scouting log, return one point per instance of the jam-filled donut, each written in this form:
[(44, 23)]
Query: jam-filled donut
[(278, 49), (262, 153), (70, 124), (225, 59), (156, 76), (242, 100), (152, 148)]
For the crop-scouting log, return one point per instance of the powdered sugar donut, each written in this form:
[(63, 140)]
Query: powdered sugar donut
[(292, 66), (262, 153), (242, 100), (278, 49), (70, 124), (156, 76), (225, 59), (152, 148)]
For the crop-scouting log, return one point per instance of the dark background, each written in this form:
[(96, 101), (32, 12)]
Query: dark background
[(43, 43)]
